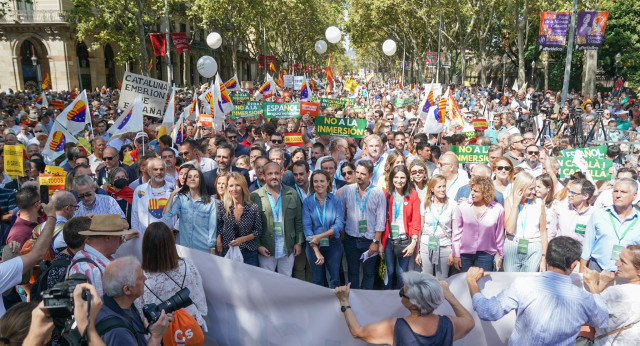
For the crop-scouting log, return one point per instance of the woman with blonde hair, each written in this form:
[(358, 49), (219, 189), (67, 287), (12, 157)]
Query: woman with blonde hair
[(419, 177), (526, 227), (394, 158), (435, 239), (504, 172), (239, 220)]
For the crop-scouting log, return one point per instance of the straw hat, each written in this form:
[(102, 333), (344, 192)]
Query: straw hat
[(106, 224)]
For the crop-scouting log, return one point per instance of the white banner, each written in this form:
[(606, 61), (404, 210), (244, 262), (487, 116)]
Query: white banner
[(154, 93), (297, 82), (288, 80), (252, 306)]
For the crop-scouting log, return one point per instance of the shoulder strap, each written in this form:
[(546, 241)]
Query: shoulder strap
[(183, 279), (81, 260), (111, 323), (412, 332)]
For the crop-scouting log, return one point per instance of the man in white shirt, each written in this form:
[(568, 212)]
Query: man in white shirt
[(374, 154), (448, 167), (605, 199), (509, 121), (531, 163), (189, 152)]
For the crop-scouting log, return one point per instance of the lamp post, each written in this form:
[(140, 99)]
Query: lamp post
[(504, 65), (34, 61), (533, 68), (618, 57)]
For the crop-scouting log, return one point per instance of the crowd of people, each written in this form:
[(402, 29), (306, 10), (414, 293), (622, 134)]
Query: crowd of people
[(393, 210)]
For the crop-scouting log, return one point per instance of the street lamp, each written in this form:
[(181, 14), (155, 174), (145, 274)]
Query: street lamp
[(504, 65), (533, 68), (34, 61), (618, 57)]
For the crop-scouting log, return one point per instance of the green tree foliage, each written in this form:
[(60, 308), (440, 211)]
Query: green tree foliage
[(622, 35)]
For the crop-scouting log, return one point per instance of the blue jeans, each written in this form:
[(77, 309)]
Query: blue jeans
[(354, 248), (479, 259), (332, 259), (395, 265), (249, 257)]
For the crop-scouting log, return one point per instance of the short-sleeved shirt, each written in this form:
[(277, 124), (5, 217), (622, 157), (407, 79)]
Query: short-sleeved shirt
[(22, 230), (10, 275), (103, 205)]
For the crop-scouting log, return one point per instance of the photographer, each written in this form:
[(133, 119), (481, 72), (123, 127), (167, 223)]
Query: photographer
[(521, 105), (123, 283)]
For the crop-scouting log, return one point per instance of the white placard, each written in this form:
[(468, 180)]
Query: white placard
[(154, 93), (288, 80), (297, 82)]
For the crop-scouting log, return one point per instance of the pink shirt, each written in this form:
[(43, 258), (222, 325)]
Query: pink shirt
[(567, 221), (471, 235)]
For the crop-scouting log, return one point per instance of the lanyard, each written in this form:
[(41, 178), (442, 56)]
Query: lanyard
[(258, 182), (375, 171), (454, 181), (338, 173), (396, 207), (299, 193), (275, 210), (437, 222), (420, 191), (362, 207), (523, 222), (324, 207), (615, 230)]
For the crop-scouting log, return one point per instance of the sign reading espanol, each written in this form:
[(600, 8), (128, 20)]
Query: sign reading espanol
[(249, 109), (598, 168), (333, 103), (344, 127), (599, 152), (281, 110), (470, 153), (13, 160), (154, 93)]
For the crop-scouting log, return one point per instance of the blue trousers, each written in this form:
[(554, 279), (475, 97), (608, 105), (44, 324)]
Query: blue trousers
[(332, 259), (395, 266), (354, 248), (479, 259)]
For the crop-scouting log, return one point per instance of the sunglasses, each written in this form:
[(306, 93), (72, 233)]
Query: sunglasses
[(503, 168), (139, 141), (88, 194), (402, 295), (533, 152), (420, 171), (347, 172), (232, 137), (277, 141), (108, 158)]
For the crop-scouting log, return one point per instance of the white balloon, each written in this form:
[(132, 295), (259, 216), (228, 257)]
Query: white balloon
[(321, 47), (207, 66), (333, 34), (389, 47), (214, 40)]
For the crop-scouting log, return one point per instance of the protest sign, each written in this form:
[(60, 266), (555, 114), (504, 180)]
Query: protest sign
[(598, 168), (279, 100), (348, 101), (297, 82), (288, 80), (53, 181), (206, 120), (250, 109), (470, 153), (281, 110), (13, 160), (240, 97), (403, 102), (313, 108), (293, 139), (599, 152), (333, 103), (344, 127), (154, 93), (553, 30), (480, 124), (286, 94), (58, 104), (54, 170)]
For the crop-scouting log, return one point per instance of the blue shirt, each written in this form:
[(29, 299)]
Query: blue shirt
[(198, 221), (374, 210), (492, 133), (333, 215), (102, 205), (549, 309), (600, 236)]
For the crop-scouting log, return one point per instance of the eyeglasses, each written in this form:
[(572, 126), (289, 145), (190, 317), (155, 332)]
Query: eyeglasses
[(347, 172), (108, 158), (402, 295), (573, 193), (533, 152), (232, 137), (519, 141), (419, 171), (276, 141), (527, 139), (503, 168), (75, 207), (88, 194)]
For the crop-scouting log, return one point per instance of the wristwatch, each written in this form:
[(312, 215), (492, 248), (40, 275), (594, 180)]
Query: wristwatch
[(377, 242), (345, 307)]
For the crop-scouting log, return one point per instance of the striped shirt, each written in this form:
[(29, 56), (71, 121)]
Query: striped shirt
[(103, 205), (549, 309), (89, 269), (373, 202)]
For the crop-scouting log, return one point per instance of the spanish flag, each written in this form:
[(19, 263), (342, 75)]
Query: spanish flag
[(272, 67), (46, 82), (280, 80), (369, 77)]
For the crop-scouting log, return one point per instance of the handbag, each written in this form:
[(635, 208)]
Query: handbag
[(398, 244)]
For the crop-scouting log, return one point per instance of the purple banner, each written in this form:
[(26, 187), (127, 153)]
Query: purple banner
[(590, 29), (553, 30)]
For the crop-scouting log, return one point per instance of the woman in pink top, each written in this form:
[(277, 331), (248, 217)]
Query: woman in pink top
[(478, 228)]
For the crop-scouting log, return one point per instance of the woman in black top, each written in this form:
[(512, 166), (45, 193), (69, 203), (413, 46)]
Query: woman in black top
[(239, 220)]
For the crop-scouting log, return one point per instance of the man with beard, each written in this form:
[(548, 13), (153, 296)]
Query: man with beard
[(232, 137), (224, 158)]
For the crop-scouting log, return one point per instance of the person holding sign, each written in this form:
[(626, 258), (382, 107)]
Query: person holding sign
[(526, 226), (478, 228), (612, 229), (400, 237), (322, 222), (435, 239)]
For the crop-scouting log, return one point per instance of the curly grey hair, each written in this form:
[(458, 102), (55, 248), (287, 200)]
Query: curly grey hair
[(423, 291)]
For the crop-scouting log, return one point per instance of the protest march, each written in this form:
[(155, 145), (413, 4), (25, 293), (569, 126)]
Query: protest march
[(324, 206)]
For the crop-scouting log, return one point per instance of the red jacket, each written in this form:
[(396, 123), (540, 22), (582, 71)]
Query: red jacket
[(410, 214)]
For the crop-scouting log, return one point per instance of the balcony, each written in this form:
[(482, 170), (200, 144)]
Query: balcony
[(33, 16)]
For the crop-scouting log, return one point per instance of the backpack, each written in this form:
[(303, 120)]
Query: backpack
[(41, 284)]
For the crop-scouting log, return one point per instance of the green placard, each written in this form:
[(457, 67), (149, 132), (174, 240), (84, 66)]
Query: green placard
[(249, 109), (599, 168), (343, 127), (357, 108), (470, 153), (333, 103), (405, 102), (599, 152), (281, 110), (348, 101), (240, 97)]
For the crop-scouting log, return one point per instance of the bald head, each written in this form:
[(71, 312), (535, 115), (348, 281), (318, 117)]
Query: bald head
[(481, 170)]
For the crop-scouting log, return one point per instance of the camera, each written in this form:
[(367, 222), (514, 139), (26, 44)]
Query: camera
[(58, 300), (178, 301)]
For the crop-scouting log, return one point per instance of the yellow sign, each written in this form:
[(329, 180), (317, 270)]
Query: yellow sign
[(351, 86), (55, 182), (13, 160), (54, 170)]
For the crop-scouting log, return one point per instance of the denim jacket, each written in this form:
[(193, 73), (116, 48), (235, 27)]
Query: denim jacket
[(334, 215), (198, 221)]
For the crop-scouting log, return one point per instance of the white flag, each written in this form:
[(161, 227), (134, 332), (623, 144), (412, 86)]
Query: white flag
[(76, 116), (130, 120), (178, 133), (221, 97), (232, 84), (58, 137), (170, 113)]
